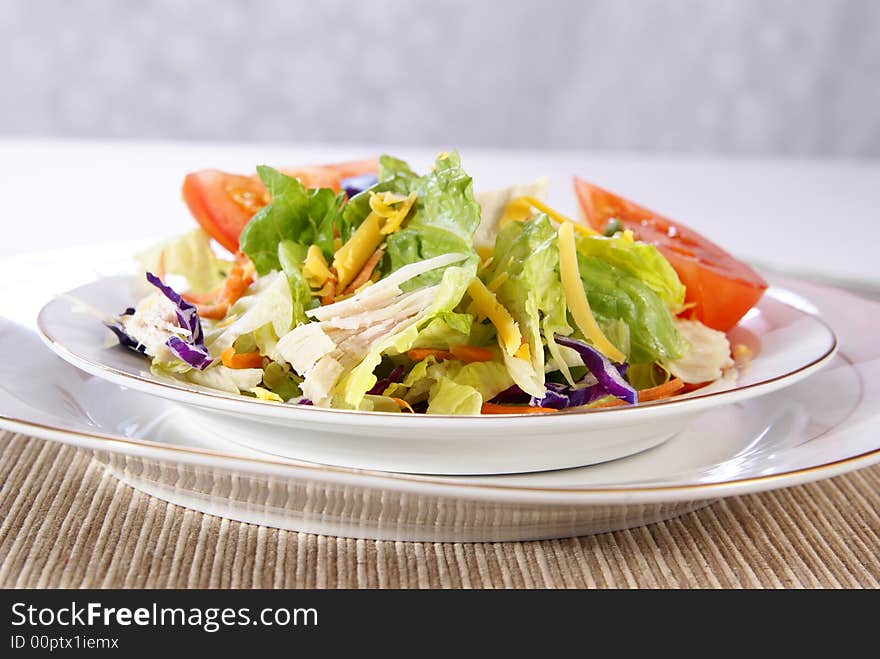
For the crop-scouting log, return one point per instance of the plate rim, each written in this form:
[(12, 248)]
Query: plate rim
[(614, 495), (228, 403)]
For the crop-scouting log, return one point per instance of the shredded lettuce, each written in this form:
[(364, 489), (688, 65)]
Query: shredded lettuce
[(189, 256), (450, 397), (267, 308), (230, 380), (291, 256), (451, 387), (527, 259), (445, 331)]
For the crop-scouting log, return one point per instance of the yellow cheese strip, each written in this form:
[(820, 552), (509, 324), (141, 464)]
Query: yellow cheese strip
[(519, 210), (576, 297), (485, 302), (315, 268), (393, 208), (389, 210), (350, 258)]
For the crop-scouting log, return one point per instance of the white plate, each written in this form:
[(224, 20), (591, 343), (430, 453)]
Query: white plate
[(789, 344), (823, 426)]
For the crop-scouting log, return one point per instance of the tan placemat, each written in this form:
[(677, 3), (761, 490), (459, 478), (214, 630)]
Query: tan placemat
[(65, 523)]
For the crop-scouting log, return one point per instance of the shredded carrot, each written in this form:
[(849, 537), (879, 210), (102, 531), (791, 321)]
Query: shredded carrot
[(469, 354), (418, 354), (202, 298), (494, 408), (237, 282), (330, 286), (215, 305), (661, 391), (241, 360), (402, 404), (689, 387), (366, 271), (213, 311)]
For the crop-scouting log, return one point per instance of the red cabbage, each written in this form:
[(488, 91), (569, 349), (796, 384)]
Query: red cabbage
[(384, 383), (607, 375), (357, 184), (122, 336), (187, 315), (191, 350), (194, 355)]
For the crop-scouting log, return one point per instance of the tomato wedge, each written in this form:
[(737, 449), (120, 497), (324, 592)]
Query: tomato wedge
[(720, 289), (223, 203)]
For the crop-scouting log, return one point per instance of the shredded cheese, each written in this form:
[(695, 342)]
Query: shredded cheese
[(350, 258), (389, 211), (576, 297), (315, 269), (519, 210), (485, 302), (393, 208)]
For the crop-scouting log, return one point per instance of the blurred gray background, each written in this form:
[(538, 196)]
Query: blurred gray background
[(719, 76)]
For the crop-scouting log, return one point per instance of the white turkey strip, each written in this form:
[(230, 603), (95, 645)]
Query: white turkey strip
[(352, 345), (383, 290), (403, 306), (356, 345), (708, 356), (303, 346), (320, 380), (306, 344)]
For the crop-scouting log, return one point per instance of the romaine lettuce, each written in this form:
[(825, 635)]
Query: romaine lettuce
[(614, 294), (526, 261), (641, 260), (303, 216), (443, 219)]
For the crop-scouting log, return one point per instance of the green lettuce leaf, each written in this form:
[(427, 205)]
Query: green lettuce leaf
[(442, 221), (615, 294), (451, 387), (268, 307), (296, 214), (391, 168), (291, 257), (641, 260), (189, 256), (528, 254), (449, 397), (442, 334), (394, 176)]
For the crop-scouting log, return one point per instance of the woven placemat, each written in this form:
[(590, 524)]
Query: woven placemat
[(66, 523)]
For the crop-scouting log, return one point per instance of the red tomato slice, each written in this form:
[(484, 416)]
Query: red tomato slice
[(224, 203), (720, 288)]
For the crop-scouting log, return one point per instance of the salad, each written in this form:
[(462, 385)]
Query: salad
[(369, 286)]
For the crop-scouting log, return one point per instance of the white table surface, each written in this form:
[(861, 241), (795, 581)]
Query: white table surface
[(820, 217)]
